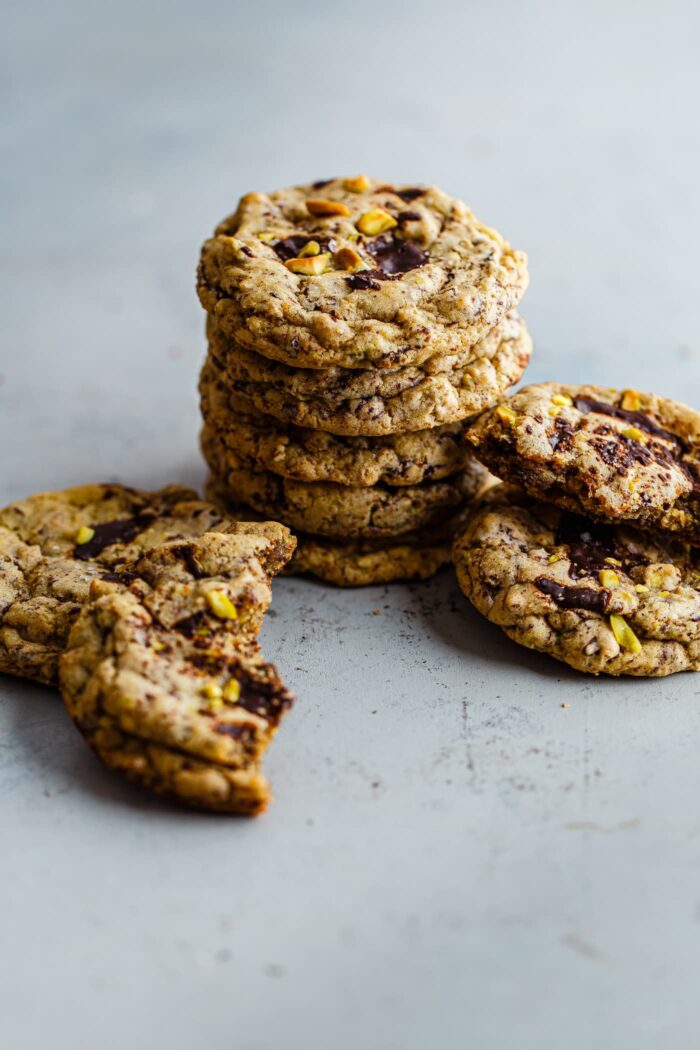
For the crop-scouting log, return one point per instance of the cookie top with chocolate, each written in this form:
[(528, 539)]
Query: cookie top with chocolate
[(358, 273), (606, 599), (55, 546), (618, 456)]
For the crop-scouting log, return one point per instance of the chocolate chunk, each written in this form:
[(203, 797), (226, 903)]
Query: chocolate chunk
[(395, 255), (120, 577), (185, 553), (573, 597), (563, 432), (410, 193), (638, 419), (320, 183), (365, 279), (407, 216), (112, 532), (289, 247), (588, 544), (191, 624)]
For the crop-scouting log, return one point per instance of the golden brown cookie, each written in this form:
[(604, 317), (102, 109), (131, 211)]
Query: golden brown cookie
[(357, 273)]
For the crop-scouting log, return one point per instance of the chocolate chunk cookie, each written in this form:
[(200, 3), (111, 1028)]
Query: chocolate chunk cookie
[(617, 456), (372, 402), (357, 273), (55, 545), (606, 599), (163, 687), (343, 511)]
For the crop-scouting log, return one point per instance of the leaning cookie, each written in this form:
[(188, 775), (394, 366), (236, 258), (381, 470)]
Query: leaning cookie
[(357, 273), (605, 599), (262, 442), (54, 545), (165, 690), (371, 402), (618, 456)]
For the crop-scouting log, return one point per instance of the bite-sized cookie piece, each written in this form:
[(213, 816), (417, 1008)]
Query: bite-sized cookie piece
[(325, 508), (371, 402), (260, 441), (606, 599), (164, 689), (357, 273), (618, 456), (54, 545)]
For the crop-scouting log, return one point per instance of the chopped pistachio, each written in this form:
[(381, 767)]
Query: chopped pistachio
[(221, 605), (634, 434), (552, 558), (84, 535), (631, 401), (506, 414), (312, 248), (553, 411), (318, 206), (232, 691), (562, 399), (624, 635), (212, 691), (267, 237), (608, 578), (641, 588), (632, 484), (375, 221), (358, 184), (613, 561), (348, 259), (311, 266)]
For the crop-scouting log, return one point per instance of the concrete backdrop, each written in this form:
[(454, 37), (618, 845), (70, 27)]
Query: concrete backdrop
[(453, 858)]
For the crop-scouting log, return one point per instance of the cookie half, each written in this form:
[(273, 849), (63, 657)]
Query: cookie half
[(617, 456), (357, 273), (55, 545), (165, 691), (605, 599)]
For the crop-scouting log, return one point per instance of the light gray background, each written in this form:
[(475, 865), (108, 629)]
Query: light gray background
[(453, 858)]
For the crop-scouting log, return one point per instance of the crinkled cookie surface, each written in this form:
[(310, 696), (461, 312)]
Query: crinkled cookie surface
[(618, 456), (603, 598), (357, 273), (55, 545)]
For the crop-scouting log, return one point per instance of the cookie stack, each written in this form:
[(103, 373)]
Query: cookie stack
[(353, 326), (592, 552)]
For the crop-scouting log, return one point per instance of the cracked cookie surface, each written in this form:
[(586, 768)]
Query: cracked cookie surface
[(357, 273), (55, 545), (164, 687), (342, 511), (618, 456), (605, 599), (371, 402)]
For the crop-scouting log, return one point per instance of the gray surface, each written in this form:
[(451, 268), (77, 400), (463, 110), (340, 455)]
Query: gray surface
[(453, 858)]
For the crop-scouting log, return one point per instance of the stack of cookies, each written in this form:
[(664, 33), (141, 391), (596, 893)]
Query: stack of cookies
[(591, 552), (353, 327)]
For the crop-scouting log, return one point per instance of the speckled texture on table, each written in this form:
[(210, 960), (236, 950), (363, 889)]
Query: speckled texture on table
[(453, 857)]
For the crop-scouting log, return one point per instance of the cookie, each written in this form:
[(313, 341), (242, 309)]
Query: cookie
[(360, 563), (371, 402), (605, 599), (55, 545), (325, 508), (164, 691), (616, 456), (357, 273)]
